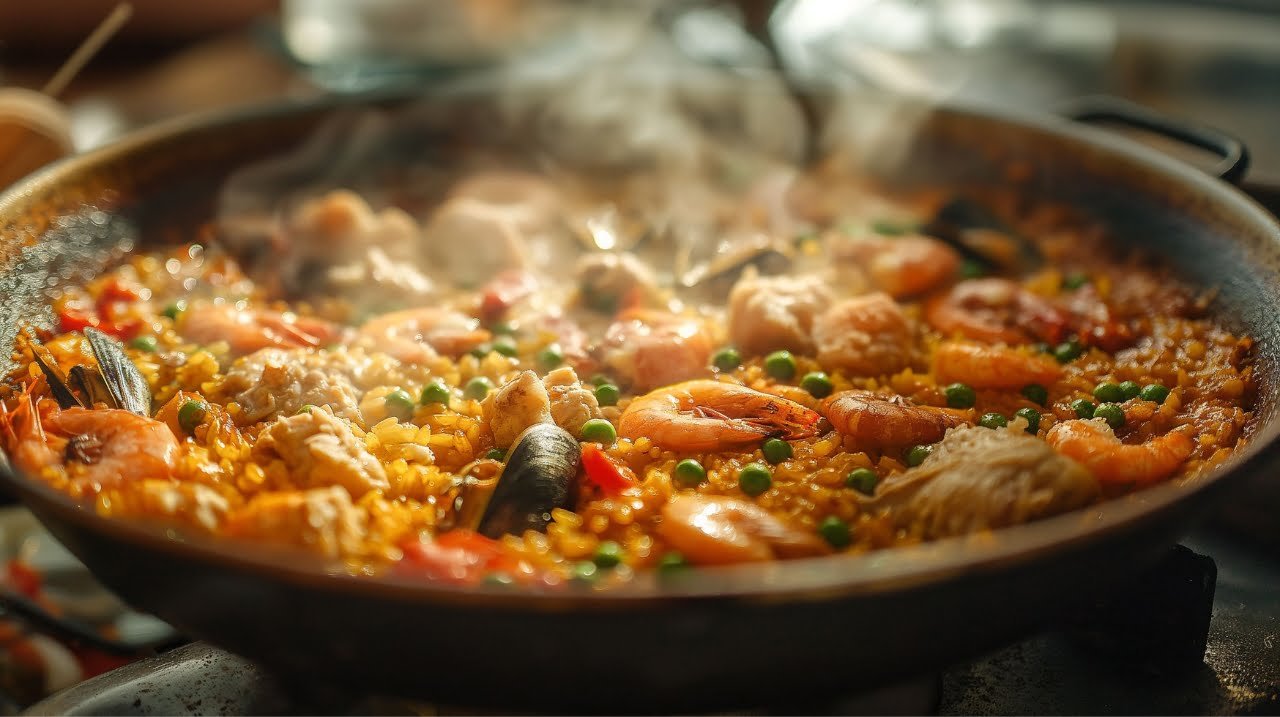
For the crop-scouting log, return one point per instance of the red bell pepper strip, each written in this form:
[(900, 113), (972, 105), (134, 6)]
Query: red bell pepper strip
[(604, 472)]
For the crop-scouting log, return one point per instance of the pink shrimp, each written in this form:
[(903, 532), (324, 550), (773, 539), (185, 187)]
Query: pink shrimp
[(996, 311), (698, 416), (876, 421), (1094, 445), (991, 366), (714, 530), (416, 335), (902, 266), (654, 348), (248, 330)]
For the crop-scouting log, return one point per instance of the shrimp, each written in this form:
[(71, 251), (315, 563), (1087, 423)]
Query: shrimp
[(1093, 444), (654, 348), (878, 422), (702, 416), (713, 530), (417, 335), (901, 266), (866, 335), (98, 447), (996, 311), (249, 330), (991, 366)]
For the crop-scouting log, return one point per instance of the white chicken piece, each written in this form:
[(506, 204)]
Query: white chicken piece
[(979, 479), (278, 382), (516, 405), (320, 519), (865, 335), (777, 312), (572, 405), (470, 240), (320, 450)]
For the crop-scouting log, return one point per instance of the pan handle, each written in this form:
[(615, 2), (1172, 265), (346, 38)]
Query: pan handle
[(1113, 110)]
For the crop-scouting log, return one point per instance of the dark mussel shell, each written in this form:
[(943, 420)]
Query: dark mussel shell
[(123, 380), (960, 221), (540, 474), (59, 385), (717, 276)]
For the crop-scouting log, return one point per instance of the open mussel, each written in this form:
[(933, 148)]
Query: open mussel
[(981, 236), (115, 381), (539, 475)]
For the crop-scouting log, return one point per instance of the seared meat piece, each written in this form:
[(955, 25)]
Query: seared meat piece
[(866, 335), (979, 478), (770, 313), (320, 450), (516, 405), (571, 404), (277, 382)]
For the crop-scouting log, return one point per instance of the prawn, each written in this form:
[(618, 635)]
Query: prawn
[(991, 366), (1094, 445), (248, 330), (902, 266), (705, 415), (98, 447), (655, 348), (877, 421), (416, 335), (715, 530), (996, 311)]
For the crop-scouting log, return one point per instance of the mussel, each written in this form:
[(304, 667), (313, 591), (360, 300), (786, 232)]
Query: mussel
[(115, 381), (981, 236), (539, 474), (718, 275)]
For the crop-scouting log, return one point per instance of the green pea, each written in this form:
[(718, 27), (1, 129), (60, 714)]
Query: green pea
[(1032, 416), (499, 580), (780, 365), (917, 454), (144, 343), (192, 414), (600, 379), (399, 404), (863, 480), (306, 408), (477, 388), (776, 450), (993, 420), (1036, 393), (1130, 389), (1068, 351), (835, 531), (482, 350), (1074, 281), (690, 473), (754, 479), (1154, 392), (598, 430), (506, 346), (972, 269), (817, 384), (891, 228), (607, 555), (174, 310), (495, 454), (960, 395), (672, 563), (550, 357), (1083, 408), (727, 359), (502, 327), (1112, 413), (584, 572), (608, 394), (434, 392), (1108, 393)]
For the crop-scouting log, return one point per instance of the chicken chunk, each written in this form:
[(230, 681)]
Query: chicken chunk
[(609, 281), (470, 241), (278, 382), (865, 335), (979, 479), (320, 450), (320, 519), (778, 312), (571, 404), (518, 404)]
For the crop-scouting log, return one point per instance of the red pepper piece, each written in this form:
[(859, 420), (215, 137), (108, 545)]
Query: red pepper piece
[(604, 472)]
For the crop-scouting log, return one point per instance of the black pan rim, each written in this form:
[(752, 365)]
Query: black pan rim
[(798, 580)]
